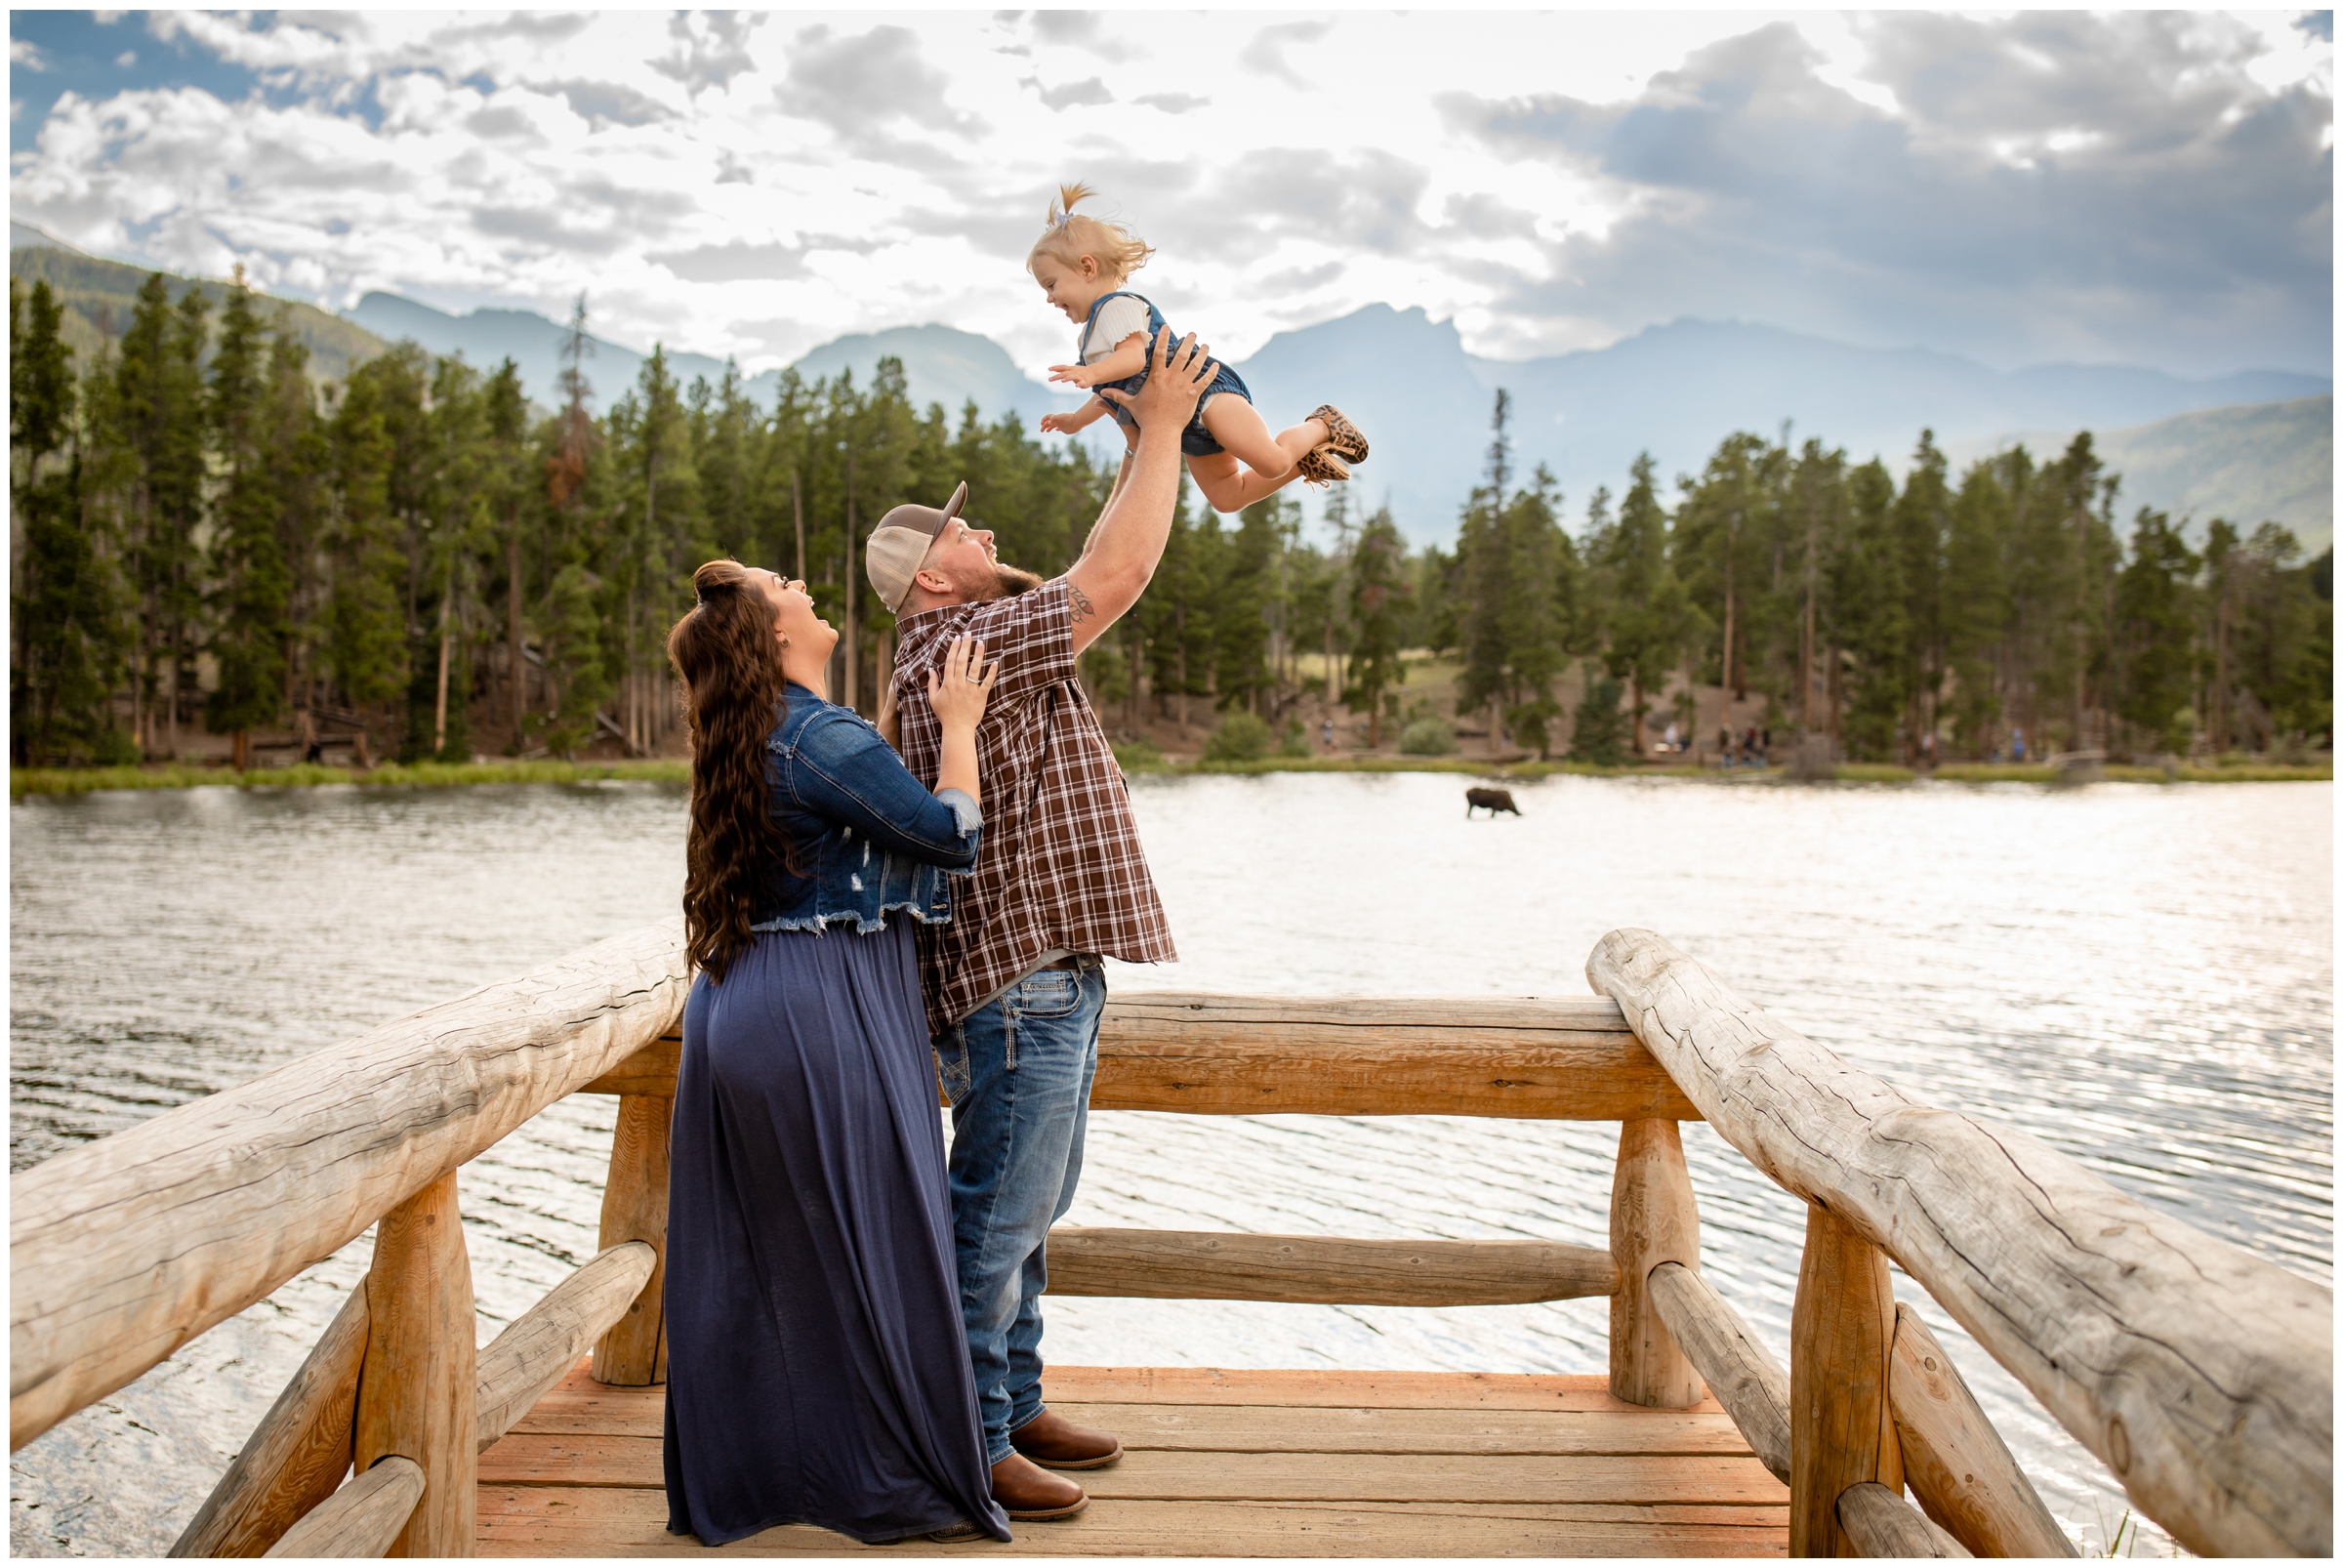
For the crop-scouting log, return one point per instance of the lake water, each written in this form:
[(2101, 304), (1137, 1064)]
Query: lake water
[(2142, 977)]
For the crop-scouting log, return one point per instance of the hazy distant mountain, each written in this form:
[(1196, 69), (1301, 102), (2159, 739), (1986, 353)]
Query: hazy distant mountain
[(942, 365), (2248, 446), (100, 296), (1676, 391), (23, 236), (486, 338), (2259, 463)]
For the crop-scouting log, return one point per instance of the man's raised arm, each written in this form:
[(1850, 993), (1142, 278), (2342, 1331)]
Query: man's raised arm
[(1128, 540)]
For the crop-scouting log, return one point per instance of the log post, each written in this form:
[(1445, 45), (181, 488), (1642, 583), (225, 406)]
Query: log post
[(543, 1344), (419, 1386), (1654, 1220), (1953, 1460), (1745, 1379), (1842, 1327), (633, 1353), (297, 1456), (361, 1520), (1882, 1524)]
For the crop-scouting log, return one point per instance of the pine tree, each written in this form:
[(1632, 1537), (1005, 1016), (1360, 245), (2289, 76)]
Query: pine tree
[(1540, 561), (1379, 594), (1924, 520), (1722, 528), (63, 605), (1483, 564), (1977, 603), (1599, 732), (303, 458), (2281, 654), (506, 492), (252, 583), (2156, 617), (1651, 618), (458, 530), (364, 645), (157, 415), (1241, 675)]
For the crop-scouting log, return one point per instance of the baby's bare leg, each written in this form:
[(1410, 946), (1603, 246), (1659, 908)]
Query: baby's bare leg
[(1131, 447), (1268, 460)]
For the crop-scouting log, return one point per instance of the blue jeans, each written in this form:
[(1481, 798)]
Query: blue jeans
[(1019, 1072)]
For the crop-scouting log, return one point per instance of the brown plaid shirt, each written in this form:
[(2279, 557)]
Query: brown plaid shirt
[(1061, 865)]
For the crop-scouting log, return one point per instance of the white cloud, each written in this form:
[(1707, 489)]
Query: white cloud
[(765, 182), (25, 57)]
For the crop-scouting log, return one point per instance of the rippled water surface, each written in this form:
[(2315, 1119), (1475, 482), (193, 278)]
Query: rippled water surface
[(2142, 977)]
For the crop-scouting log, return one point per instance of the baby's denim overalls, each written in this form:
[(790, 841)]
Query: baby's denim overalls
[(1195, 440)]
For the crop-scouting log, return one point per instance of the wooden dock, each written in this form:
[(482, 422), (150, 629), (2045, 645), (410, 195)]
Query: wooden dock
[(1227, 1464), (2201, 1375)]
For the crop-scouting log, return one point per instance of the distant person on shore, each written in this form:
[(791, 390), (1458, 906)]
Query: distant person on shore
[(2017, 744), (1724, 745), (1016, 985), (1082, 264), (815, 1373)]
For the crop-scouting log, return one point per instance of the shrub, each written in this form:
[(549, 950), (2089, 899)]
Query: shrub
[(1527, 722), (1138, 757), (1428, 736), (1241, 738), (1296, 741), (1599, 732), (116, 748)]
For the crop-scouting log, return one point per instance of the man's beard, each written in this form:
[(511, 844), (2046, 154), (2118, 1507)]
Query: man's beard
[(1011, 580)]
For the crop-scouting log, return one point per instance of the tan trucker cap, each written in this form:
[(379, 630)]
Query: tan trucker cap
[(901, 542)]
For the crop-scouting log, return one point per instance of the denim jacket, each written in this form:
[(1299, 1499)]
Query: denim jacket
[(868, 837)]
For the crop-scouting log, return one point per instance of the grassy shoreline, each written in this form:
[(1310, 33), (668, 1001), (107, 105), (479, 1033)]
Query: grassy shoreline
[(23, 781), (1137, 761)]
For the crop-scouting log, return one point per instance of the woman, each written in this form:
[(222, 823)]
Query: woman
[(816, 1368)]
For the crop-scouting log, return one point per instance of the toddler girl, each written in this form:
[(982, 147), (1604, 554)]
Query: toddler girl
[(1081, 264)]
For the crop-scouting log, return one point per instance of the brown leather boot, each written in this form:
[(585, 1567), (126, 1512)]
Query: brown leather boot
[(1056, 1443), (1025, 1491)]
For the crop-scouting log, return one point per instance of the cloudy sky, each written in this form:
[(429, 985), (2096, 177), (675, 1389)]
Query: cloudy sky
[(2139, 188)]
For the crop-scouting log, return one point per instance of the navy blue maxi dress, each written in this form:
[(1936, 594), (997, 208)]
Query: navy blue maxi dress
[(817, 1372)]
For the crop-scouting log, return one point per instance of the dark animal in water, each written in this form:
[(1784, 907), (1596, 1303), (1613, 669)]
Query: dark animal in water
[(1494, 800)]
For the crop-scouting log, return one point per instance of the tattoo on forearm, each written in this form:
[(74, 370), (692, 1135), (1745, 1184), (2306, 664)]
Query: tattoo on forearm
[(1083, 608)]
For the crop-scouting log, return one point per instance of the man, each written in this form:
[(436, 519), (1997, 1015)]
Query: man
[(1014, 984)]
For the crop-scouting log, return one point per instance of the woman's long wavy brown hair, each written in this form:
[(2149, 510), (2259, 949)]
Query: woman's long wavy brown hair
[(730, 666)]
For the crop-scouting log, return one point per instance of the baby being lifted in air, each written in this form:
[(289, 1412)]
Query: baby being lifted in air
[(1082, 264)]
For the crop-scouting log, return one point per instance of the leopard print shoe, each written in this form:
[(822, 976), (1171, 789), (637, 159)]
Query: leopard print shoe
[(1340, 434), (1319, 466)]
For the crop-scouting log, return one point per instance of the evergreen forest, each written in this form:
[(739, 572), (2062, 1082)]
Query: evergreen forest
[(414, 562)]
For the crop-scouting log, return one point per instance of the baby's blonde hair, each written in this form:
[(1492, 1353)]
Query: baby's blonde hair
[(1070, 236)]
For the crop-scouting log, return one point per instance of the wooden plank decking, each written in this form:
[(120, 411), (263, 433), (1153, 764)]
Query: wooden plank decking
[(1234, 1464)]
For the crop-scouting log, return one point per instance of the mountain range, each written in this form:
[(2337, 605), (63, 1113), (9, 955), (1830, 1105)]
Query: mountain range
[(2250, 446), (1675, 390)]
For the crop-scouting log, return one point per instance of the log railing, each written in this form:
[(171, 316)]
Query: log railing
[(2202, 1376)]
